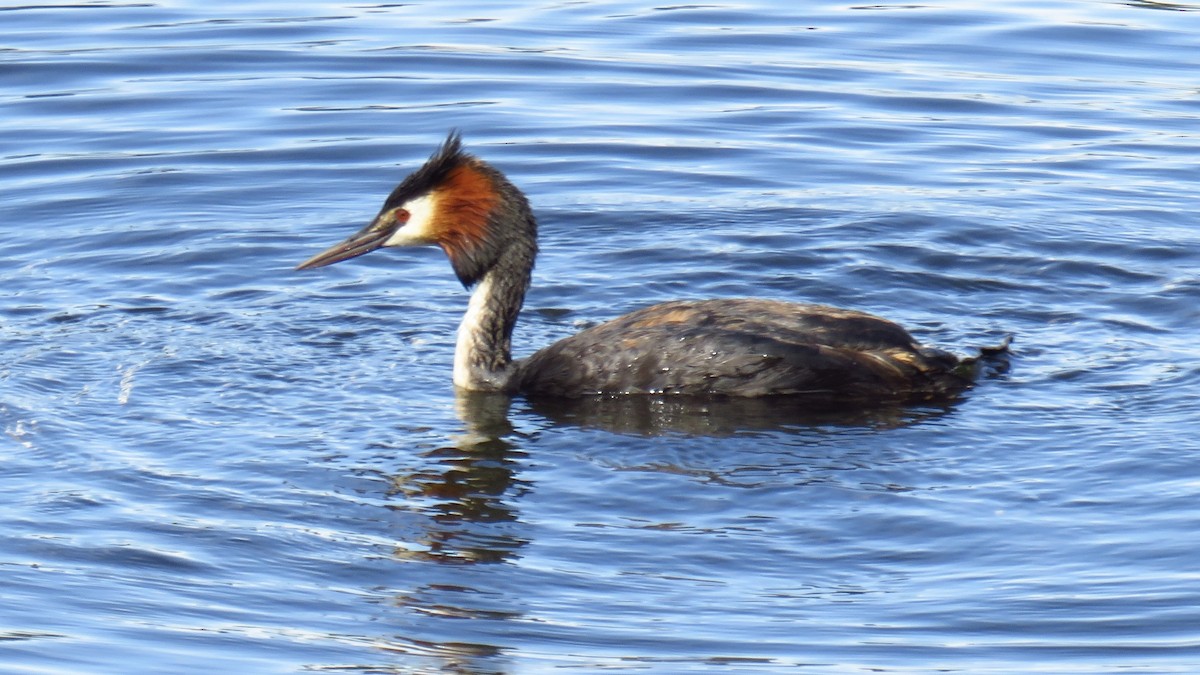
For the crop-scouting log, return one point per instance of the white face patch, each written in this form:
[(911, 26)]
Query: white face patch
[(419, 228)]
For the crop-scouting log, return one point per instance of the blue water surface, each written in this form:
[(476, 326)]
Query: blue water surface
[(212, 463)]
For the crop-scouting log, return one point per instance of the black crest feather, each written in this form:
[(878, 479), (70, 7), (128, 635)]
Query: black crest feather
[(431, 174)]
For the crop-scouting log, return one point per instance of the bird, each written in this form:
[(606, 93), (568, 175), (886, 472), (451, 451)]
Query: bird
[(726, 347)]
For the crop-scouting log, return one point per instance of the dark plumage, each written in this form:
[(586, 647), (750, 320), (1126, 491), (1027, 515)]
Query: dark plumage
[(743, 347), (730, 347)]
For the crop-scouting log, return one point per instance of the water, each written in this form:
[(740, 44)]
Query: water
[(211, 462)]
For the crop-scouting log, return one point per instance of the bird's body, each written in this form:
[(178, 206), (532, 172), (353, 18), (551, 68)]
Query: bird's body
[(726, 347), (742, 347)]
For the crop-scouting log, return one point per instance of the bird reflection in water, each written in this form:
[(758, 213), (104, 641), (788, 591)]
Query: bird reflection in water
[(468, 492), (467, 489), (715, 416), (465, 495)]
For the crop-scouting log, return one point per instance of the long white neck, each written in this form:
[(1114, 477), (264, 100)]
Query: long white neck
[(483, 354)]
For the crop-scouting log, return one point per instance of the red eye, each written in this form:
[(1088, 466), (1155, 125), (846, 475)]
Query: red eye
[(401, 215)]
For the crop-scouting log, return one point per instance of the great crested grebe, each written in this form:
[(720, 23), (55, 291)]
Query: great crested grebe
[(730, 347)]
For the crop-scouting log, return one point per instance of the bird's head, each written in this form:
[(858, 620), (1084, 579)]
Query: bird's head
[(455, 201)]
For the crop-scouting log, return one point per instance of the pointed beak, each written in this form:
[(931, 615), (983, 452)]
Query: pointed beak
[(365, 240)]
